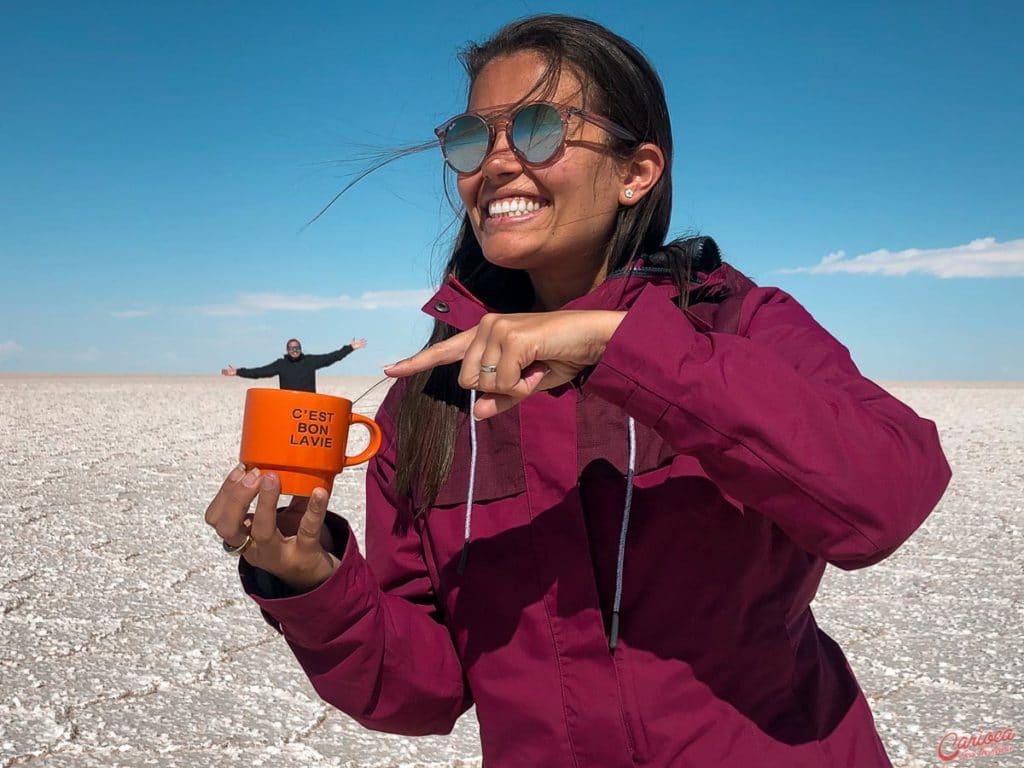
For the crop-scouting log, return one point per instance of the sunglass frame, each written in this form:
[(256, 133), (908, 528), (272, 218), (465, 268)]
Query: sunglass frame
[(507, 117)]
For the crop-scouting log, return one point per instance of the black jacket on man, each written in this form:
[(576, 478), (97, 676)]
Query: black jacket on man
[(299, 373)]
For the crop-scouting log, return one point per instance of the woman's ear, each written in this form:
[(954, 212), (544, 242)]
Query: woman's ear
[(640, 173)]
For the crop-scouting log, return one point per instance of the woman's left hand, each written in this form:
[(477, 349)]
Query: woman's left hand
[(509, 357)]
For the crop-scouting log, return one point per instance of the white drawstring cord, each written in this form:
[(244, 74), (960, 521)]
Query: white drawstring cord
[(472, 483), (613, 635)]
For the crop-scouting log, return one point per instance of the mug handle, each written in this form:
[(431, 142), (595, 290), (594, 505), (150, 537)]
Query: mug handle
[(375, 439)]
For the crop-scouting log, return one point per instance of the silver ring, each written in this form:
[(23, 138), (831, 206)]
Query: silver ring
[(488, 369), (236, 551)]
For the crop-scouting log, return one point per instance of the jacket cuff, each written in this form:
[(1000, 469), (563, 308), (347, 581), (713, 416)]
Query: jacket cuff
[(652, 325)]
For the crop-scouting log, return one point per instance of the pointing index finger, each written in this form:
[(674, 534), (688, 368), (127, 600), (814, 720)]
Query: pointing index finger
[(448, 351)]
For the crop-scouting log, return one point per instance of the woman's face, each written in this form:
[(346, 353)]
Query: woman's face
[(571, 204)]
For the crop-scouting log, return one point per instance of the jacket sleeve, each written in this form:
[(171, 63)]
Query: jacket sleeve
[(330, 358), (264, 371), (781, 420), (370, 638)]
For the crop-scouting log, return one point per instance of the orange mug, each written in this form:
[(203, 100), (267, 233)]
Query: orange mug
[(301, 437)]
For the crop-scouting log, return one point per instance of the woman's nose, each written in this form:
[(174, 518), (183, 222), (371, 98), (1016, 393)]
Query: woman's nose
[(501, 160)]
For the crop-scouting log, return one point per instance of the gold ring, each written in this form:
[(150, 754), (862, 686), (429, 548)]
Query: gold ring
[(236, 551), (488, 368)]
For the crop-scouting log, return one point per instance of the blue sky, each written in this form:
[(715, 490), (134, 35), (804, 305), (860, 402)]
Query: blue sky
[(158, 162)]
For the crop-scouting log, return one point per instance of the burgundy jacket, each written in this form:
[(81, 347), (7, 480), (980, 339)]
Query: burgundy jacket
[(759, 454)]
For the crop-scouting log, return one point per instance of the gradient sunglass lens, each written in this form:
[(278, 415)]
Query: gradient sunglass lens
[(537, 132), (465, 143)]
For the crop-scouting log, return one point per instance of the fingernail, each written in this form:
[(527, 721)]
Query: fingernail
[(252, 478), (267, 482), (389, 365), (318, 495), (237, 473)]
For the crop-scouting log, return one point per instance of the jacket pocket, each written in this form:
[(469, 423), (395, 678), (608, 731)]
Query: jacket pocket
[(499, 469)]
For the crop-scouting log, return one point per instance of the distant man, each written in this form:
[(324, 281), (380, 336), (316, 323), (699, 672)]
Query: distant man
[(296, 370)]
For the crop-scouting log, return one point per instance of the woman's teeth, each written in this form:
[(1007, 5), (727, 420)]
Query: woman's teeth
[(513, 206)]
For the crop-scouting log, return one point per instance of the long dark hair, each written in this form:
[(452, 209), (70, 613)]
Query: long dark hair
[(618, 83)]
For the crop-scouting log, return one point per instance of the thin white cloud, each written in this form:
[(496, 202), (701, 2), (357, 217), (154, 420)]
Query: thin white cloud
[(984, 257), (255, 303), (9, 348), (221, 310), (129, 313)]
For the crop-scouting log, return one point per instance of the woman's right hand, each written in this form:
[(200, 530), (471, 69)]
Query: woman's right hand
[(506, 358), (298, 558)]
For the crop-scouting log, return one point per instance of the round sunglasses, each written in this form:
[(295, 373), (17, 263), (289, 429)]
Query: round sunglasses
[(536, 132)]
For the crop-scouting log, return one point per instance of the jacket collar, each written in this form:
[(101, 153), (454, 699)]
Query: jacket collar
[(455, 304)]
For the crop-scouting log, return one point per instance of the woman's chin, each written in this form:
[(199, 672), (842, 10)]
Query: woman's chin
[(512, 251), (510, 258)]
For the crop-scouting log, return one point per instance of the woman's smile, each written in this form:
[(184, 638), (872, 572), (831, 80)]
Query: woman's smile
[(512, 210)]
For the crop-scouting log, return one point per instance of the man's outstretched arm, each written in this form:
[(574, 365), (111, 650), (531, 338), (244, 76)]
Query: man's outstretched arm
[(330, 358), (252, 373)]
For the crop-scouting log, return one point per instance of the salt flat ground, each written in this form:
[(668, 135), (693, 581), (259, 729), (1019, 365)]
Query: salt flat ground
[(125, 639)]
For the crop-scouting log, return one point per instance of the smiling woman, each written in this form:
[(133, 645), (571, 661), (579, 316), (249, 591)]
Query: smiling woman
[(575, 188), (609, 486)]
